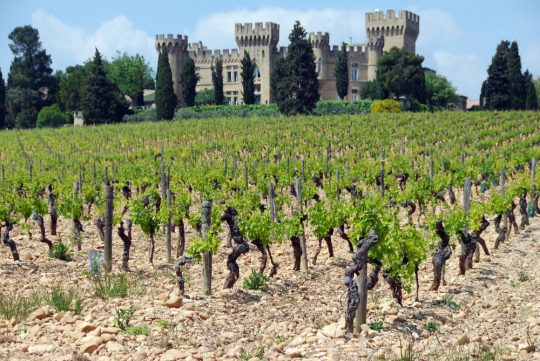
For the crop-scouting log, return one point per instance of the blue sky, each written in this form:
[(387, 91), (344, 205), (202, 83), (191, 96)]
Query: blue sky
[(457, 38)]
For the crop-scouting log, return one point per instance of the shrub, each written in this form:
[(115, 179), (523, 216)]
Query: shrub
[(256, 281), (52, 116), (341, 107), (65, 301), (205, 97), (110, 286), (60, 251), (226, 111), (149, 115), (386, 106)]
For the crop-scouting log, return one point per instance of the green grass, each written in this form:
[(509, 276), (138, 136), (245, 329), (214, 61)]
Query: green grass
[(432, 326), (137, 330), (20, 307), (62, 300), (448, 301), (111, 286), (376, 326), (256, 281)]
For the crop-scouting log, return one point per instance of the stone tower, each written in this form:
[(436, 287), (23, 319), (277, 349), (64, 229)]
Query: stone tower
[(324, 62), (177, 50), (260, 41), (399, 31), (375, 46)]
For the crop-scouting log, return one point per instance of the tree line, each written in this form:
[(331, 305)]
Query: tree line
[(34, 96)]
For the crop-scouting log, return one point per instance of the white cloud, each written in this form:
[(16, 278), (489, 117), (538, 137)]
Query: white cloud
[(437, 28), (217, 30), (69, 44), (531, 59), (465, 71)]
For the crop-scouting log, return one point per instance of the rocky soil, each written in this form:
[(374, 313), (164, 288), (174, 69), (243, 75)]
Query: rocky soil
[(494, 308)]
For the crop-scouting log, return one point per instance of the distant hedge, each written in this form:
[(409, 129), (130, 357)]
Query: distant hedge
[(323, 107)]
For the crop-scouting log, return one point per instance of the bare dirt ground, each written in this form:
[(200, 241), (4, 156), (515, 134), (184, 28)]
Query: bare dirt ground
[(494, 308)]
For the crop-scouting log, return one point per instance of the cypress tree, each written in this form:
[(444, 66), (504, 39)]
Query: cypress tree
[(165, 97), (99, 103), (217, 81), (515, 78), (189, 81), (531, 97), (498, 85), (278, 73), (297, 89), (2, 102), (483, 94), (342, 73), (248, 83)]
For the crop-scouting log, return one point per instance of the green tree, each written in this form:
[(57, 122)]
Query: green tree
[(372, 90), (205, 97), (2, 102), (342, 72), (517, 89), (30, 82), (131, 74), (497, 92), (536, 83), (297, 87), (248, 82), (400, 74), (189, 81), (217, 81), (52, 116), (278, 73), (100, 102), (531, 96), (439, 90), (72, 84), (165, 97)]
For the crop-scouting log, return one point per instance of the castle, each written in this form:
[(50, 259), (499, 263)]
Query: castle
[(383, 31)]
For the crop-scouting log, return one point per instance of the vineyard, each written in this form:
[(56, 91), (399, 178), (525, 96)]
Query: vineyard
[(336, 238)]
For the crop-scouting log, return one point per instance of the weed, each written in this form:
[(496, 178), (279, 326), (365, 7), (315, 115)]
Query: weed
[(115, 285), (19, 307), (65, 301), (137, 330), (432, 326), (531, 342), (256, 281), (376, 326), (279, 339), (448, 301), (60, 251), (523, 276), (123, 317)]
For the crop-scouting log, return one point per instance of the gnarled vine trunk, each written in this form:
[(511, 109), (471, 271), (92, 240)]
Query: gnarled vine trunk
[(181, 246), (500, 231), (41, 225), (468, 246), (328, 240), (360, 259), (182, 261), (440, 255), (126, 239), (345, 236), (231, 217), (9, 242), (297, 252), (523, 211), (477, 238)]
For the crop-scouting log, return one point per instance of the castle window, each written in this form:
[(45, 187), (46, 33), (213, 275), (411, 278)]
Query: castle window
[(354, 72), (256, 73), (235, 78), (318, 65), (229, 77), (354, 94)]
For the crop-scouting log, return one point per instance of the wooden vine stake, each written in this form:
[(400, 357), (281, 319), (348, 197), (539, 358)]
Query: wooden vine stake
[(503, 193), (109, 209), (246, 178), (206, 256), (303, 260), (169, 226), (533, 188), (272, 202)]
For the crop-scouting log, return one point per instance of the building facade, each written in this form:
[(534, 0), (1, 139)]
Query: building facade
[(383, 31)]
